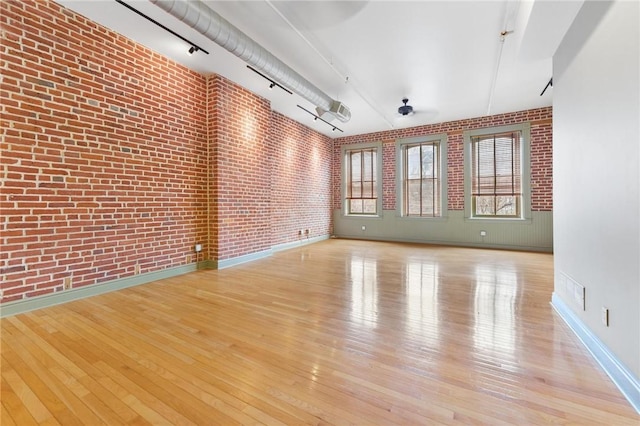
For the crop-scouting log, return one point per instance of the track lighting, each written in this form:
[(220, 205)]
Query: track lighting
[(550, 83), (316, 118), (192, 49), (273, 83)]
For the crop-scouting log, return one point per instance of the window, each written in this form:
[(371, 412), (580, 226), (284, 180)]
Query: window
[(362, 181), (421, 180), (496, 188), (421, 168)]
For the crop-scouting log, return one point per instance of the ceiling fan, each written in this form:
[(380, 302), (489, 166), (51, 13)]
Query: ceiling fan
[(405, 109)]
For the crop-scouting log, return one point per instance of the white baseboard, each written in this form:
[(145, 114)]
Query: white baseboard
[(628, 384)]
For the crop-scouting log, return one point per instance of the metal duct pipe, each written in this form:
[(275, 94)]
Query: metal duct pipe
[(199, 16)]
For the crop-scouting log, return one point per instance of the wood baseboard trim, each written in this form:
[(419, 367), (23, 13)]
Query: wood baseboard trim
[(628, 384)]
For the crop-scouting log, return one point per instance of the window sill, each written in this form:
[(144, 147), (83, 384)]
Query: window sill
[(512, 220), (362, 216), (423, 218)]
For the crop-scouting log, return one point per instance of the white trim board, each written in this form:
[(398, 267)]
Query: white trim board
[(628, 384)]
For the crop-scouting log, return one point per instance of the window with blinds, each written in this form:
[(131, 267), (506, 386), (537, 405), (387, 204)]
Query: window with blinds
[(362, 181), (496, 175), (421, 179)]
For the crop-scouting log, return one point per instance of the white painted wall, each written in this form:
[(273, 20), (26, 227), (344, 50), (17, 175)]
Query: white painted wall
[(596, 156)]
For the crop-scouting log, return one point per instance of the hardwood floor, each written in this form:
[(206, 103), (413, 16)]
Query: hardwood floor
[(338, 332)]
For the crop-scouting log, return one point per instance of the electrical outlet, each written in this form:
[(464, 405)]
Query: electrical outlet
[(300, 232), (137, 269), (605, 316), (483, 233), (198, 248), (306, 232), (364, 228), (67, 283)]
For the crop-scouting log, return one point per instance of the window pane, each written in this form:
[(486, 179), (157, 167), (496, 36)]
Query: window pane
[(361, 185), (413, 162), (367, 170), (485, 205), (356, 190), (427, 161), (506, 206), (413, 197), (373, 162), (428, 198), (367, 189), (356, 165), (369, 206), (355, 206)]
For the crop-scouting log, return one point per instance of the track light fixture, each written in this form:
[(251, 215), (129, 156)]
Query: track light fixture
[(550, 83), (273, 83), (317, 117), (194, 47)]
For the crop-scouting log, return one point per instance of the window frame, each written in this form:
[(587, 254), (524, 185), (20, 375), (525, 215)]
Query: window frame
[(345, 150), (525, 170), (401, 145)]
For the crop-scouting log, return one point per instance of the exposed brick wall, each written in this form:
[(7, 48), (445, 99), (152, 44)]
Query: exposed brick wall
[(389, 174), (102, 155), (300, 181), (214, 86), (116, 160), (541, 165), (241, 166), (455, 170), (541, 156)]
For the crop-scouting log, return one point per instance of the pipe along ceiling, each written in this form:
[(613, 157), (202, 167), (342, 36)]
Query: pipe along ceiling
[(200, 17)]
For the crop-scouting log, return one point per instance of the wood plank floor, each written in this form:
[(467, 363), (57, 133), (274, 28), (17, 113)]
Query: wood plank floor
[(338, 332)]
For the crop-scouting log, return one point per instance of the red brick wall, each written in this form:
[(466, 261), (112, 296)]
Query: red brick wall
[(110, 168), (241, 167), (300, 181), (270, 175), (103, 156), (541, 156)]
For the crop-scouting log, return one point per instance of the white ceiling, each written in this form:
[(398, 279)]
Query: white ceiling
[(447, 57)]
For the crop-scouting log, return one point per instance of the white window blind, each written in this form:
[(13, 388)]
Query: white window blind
[(496, 174)]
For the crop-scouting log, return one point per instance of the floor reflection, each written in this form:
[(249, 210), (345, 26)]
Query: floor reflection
[(421, 292), (495, 299), (364, 291)]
